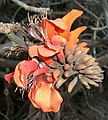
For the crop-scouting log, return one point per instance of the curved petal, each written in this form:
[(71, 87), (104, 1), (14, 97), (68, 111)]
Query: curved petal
[(46, 52), (9, 77), (69, 19), (53, 47), (75, 33), (50, 28), (47, 60), (31, 96), (58, 40), (59, 23), (70, 43), (33, 51), (22, 70), (56, 100), (42, 97), (41, 71)]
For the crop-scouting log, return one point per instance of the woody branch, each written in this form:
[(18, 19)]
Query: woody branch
[(30, 8)]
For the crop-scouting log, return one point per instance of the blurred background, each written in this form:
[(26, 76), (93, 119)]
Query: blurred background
[(84, 105)]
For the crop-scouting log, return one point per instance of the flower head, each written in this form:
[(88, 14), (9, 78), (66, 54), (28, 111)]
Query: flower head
[(58, 57)]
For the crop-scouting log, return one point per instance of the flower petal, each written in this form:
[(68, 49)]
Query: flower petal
[(61, 56), (70, 43), (50, 79), (41, 71), (50, 28), (69, 19), (42, 97), (53, 47), (46, 52), (47, 60), (59, 23), (33, 51), (75, 33), (22, 70), (56, 100), (58, 40), (31, 96), (9, 77)]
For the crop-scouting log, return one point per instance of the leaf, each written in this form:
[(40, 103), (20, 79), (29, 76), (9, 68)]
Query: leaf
[(19, 41)]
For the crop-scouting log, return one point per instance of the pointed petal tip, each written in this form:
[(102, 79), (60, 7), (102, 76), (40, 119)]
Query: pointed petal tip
[(9, 77)]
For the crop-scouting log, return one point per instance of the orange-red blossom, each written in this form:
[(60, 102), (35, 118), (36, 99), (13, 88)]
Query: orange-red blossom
[(58, 35), (42, 93)]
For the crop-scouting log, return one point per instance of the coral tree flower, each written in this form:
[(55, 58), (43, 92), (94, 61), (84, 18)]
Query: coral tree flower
[(58, 34), (44, 96), (41, 93), (58, 42)]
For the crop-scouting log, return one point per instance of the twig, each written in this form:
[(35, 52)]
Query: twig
[(99, 28), (30, 8), (4, 116), (15, 14), (103, 58), (96, 43), (61, 2), (90, 105), (86, 10), (105, 8)]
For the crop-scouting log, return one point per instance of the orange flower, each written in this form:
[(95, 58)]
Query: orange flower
[(28, 75), (34, 76), (45, 97), (62, 26), (58, 34), (22, 71)]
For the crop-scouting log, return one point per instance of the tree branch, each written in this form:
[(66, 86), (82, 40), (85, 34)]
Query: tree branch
[(105, 8), (6, 28), (96, 43), (99, 28), (103, 59), (86, 10), (30, 8)]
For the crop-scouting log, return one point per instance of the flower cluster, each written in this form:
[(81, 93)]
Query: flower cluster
[(57, 57)]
